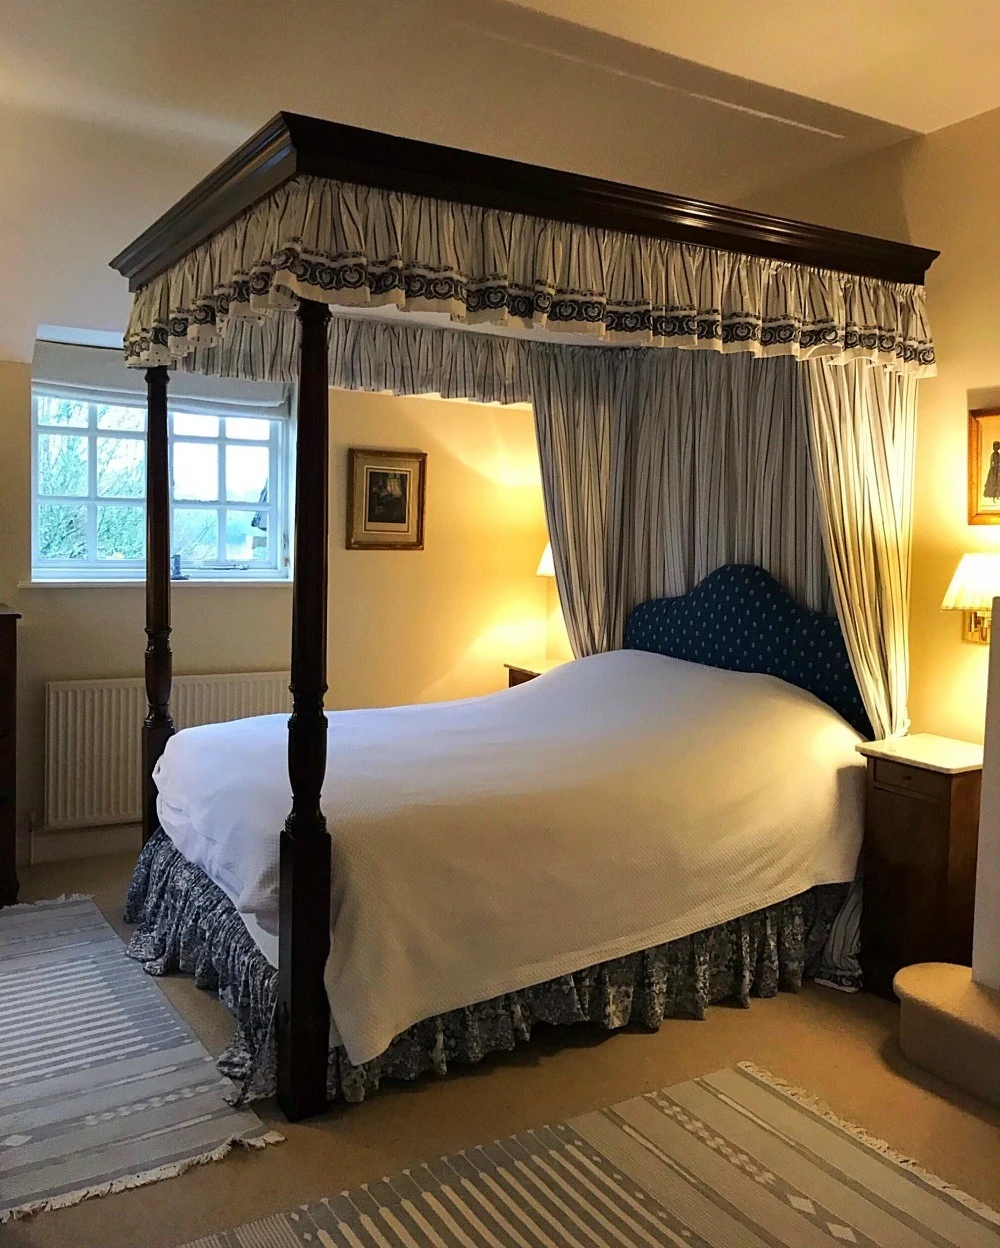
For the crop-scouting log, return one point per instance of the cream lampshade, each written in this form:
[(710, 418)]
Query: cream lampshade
[(973, 587), (546, 567)]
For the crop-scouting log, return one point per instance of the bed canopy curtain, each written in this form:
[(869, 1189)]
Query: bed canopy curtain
[(779, 433), (659, 467)]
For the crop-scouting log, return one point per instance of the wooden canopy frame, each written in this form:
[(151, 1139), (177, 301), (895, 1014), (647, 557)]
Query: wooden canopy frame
[(288, 145)]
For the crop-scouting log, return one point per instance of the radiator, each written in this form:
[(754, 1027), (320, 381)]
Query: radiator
[(93, 737)]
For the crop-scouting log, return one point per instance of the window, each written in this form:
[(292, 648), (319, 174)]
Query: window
[(228, 473), (225, 513)]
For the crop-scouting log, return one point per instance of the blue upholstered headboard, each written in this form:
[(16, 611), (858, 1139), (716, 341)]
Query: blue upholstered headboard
[(740, 618)]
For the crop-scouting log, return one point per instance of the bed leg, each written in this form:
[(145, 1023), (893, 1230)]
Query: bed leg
[(303, 1020), (158, 727), (303, 1024)]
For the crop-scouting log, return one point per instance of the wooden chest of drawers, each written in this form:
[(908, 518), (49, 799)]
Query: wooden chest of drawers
[(8, 755)]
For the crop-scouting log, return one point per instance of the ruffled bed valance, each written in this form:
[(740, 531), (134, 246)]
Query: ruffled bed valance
[(364, 248)]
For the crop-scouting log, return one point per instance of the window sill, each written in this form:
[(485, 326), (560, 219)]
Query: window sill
[(129, 584)]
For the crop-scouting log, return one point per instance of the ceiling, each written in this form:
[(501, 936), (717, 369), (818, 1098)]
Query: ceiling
[(108, 118), (921, 64)]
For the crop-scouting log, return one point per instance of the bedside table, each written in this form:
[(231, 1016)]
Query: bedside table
[(520, 673), (919, 856)]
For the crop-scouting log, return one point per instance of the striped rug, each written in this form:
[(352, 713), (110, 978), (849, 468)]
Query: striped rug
[(102, 1085), (732, 1160)]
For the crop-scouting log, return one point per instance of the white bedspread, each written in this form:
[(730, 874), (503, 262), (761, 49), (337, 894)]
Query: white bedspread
[(485, 845)]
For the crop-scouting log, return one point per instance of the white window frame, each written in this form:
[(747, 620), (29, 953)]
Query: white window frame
[(280, 444)]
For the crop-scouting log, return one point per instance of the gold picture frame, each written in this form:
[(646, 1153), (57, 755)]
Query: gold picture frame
[(385, 499), (984, 466)]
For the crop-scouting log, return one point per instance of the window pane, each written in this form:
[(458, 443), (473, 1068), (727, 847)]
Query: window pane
[(62, 464), (246, 473), (121, 533), (196, 470), (196, 426), (121, 468), (246, 541), (62, 412), (196, 535), (248, 428), (62, 531), (121, 418)]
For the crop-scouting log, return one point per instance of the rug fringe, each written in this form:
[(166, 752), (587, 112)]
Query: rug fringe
[(129, 1181), (821, 1109), (62, 900)]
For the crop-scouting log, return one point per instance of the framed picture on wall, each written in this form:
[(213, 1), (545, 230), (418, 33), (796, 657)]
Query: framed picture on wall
[(984, 466), (385, 499)]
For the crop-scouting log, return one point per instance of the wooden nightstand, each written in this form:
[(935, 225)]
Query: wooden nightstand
[(519, 673), (919, 858)]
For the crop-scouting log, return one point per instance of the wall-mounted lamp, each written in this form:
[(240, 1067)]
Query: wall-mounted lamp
[(546, 566), (973, 587)]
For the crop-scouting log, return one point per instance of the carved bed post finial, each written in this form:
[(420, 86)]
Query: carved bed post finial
[(158, 726), (303, 1019)]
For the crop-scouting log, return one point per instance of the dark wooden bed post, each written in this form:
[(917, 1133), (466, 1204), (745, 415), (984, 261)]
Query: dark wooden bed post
[(303, 1023), (159, 663)]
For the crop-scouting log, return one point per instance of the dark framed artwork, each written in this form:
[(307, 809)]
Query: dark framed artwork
[(385, 499), (984, 466)]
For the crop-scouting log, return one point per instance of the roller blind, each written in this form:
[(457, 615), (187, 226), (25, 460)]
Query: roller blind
[(85, 373)]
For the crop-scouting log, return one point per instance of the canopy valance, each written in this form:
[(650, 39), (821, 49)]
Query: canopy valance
[(361, 247)]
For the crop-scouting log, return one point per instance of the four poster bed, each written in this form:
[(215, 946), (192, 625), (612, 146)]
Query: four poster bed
[(675, 817)]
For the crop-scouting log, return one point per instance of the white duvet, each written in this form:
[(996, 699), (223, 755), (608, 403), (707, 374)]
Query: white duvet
[(485, 845)]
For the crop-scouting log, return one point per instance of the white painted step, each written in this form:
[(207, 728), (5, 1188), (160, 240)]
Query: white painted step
[(950, 1026)]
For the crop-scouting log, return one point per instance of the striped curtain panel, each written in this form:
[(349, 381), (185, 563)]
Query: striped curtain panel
[(578, 400), (660, 466), (862, 435)]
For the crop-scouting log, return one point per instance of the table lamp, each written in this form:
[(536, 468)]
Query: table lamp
[(973, 587)]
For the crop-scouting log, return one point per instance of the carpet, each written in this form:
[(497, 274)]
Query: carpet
[(102, 1085), (736, 1159)]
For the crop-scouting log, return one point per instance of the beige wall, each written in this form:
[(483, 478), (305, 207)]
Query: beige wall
[(403, 626), (421, 626), (940, 191)]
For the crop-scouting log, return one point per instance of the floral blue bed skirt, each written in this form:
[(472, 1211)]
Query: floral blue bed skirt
[(186, 923)]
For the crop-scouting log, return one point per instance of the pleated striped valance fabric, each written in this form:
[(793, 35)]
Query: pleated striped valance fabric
[(374, 355), (361, 247), (418, 359)]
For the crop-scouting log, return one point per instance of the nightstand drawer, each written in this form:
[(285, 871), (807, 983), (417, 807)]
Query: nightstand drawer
[(907, 779)]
